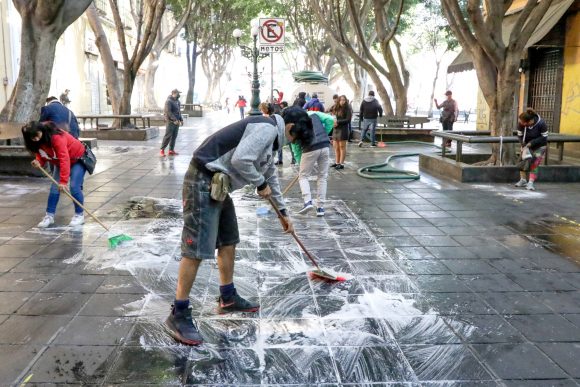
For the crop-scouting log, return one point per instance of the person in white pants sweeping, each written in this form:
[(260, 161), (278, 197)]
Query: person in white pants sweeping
[(311, 152)]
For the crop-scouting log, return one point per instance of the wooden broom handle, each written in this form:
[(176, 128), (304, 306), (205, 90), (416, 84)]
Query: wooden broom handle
[(73, 199), (290, 185), (275, 207)]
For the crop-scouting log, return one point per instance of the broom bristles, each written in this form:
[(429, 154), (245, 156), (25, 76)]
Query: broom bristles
[(116, 240)]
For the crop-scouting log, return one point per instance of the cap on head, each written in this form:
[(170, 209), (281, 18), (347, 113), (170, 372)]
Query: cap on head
[(371, 93), (448, 92), (175, 91)]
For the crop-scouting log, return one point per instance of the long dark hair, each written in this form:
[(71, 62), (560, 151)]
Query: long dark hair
[(342, 110), (302, 129), (31, 130)]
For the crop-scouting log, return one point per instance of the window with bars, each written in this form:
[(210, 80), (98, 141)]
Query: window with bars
[(545, 86)]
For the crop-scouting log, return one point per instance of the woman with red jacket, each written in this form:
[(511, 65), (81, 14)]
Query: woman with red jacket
[(63, 151)]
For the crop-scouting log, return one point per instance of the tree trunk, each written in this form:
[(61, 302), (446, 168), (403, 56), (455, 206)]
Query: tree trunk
[(111, 79), (154, 56), (397, 76), (150, 102), (148, 22), (43, 22), (125, 105), (435, 78), (191, 63)]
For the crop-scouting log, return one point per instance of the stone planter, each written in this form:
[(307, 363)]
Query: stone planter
[(467, 173)]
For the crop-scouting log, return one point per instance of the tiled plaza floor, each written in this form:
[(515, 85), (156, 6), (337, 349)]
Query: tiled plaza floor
[(449, 284)]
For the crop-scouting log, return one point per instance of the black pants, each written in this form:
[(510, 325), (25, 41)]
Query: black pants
[(447, 125), (171, 131)]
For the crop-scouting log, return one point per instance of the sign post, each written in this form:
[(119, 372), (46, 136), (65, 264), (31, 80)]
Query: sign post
[(271, 39)]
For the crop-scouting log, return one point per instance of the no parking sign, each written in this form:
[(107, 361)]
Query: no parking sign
[(271, 37)]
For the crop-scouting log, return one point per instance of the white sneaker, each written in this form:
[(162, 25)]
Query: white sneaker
[(307, 207), (47, 221), (360, 144), (521, 183), (77, 220), (530, 186)]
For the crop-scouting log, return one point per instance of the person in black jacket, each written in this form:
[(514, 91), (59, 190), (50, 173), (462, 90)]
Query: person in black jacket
[(340, 132), (370, 109), (533, 135), (174, 120), (300, 100)]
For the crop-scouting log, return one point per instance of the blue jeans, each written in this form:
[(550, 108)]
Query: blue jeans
[(366, 125), (77, 176)]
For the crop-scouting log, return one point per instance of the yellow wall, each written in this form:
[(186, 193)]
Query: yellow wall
[(570, 116)]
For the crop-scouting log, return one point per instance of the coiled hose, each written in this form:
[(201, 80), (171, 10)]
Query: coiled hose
[(387, 172)]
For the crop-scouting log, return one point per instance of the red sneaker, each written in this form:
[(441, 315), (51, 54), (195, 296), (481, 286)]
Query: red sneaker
[(172, 153), (162, 153)]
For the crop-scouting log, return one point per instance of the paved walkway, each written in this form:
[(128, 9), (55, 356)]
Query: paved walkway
[(449, 284)]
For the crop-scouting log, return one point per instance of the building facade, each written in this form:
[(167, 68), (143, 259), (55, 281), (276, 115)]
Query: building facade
[(77, 65)]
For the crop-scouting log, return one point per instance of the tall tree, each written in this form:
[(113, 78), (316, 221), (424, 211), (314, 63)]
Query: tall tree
[(215, 40), (354, 74), (43, 22), (307, 34), (496, 61), (147, 15), (431, 33), (110, 69), (338, 23), (387, 15), (181, 14), (193, 31)]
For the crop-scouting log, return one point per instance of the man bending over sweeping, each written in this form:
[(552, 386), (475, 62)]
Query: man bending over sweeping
[(233, 157)]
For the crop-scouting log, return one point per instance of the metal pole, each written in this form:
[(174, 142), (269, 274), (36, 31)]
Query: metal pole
[(271, 77), (255, 103)]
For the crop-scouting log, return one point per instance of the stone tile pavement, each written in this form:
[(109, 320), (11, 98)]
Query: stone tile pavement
[(449, 284)]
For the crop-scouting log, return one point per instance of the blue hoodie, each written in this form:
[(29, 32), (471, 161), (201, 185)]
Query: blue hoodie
[(314, 105)]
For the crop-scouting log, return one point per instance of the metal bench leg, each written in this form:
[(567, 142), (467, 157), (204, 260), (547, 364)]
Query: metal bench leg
[(459, 151)]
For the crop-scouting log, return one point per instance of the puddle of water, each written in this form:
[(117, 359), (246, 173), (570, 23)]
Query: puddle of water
[(553, 234)]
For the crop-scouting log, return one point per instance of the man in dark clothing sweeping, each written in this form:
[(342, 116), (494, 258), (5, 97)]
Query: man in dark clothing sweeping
[(174, 120), (369, 110), (237, 155)]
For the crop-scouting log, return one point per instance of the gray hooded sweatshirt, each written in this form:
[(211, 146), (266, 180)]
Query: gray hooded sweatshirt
[(243, 151)]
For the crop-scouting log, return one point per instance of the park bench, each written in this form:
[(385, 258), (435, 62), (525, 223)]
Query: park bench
[(558, 139), (192, 109), (401, 122), (94, 119), (404, 134)]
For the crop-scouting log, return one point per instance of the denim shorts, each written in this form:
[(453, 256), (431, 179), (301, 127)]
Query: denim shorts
[(207, 224)]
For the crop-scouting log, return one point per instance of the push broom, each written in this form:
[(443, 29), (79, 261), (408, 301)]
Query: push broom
[(320, 273), (114, 240)]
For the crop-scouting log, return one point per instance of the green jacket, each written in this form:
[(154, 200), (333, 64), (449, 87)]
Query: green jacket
[(328, 123)]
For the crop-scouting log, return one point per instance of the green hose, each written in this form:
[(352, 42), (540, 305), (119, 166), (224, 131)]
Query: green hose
[(385, 171)]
